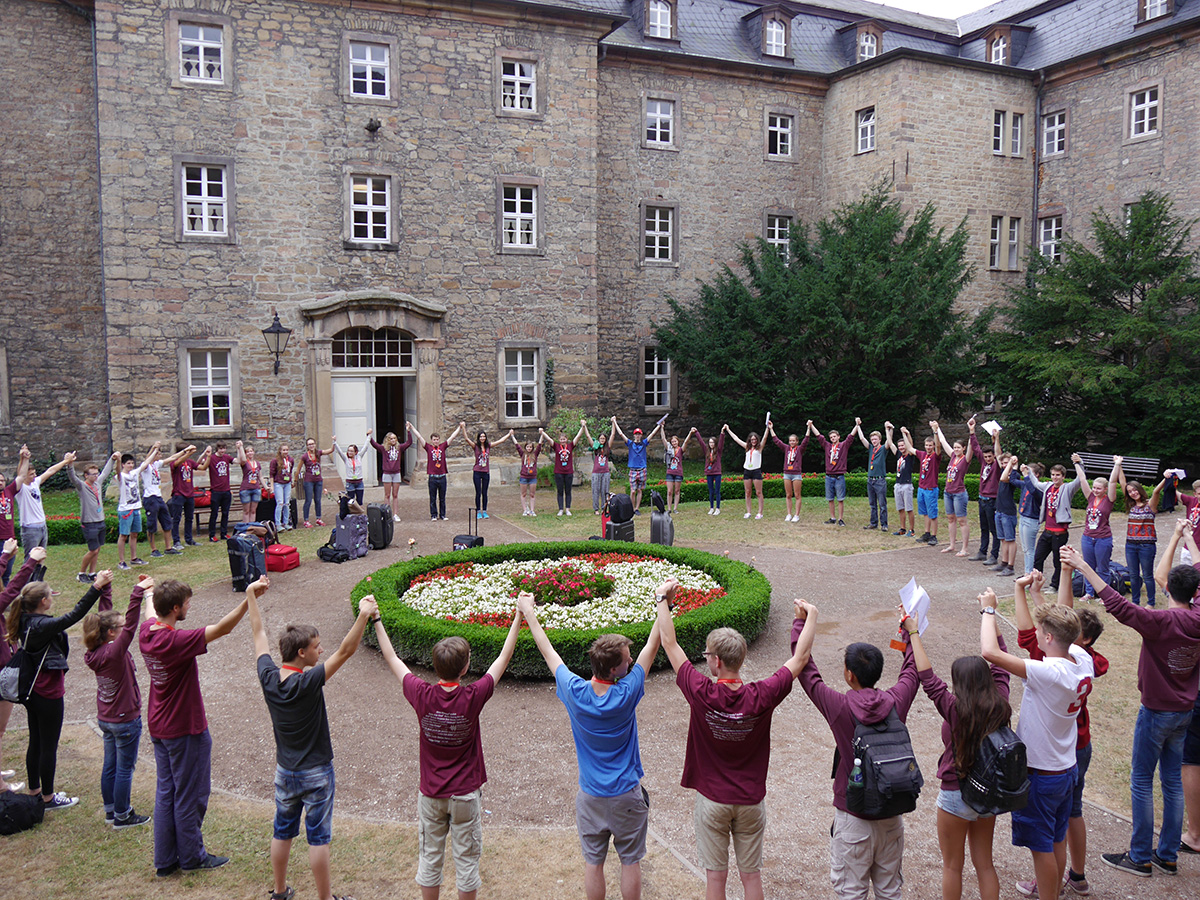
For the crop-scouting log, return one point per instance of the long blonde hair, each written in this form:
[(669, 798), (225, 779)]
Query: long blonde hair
[(30, 598)]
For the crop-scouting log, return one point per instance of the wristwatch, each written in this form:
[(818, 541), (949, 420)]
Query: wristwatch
[(988, 610)]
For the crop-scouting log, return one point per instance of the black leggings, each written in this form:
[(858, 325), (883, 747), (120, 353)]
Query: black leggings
[(1050, 542), (562, 482), (482, 480), (45, 727)]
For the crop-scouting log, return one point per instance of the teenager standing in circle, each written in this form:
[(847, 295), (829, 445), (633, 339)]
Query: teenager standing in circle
[(314, 483), (674, 460), (793, 468), (435, 468), (481, 474), (564, 465), (393, 464), (1141, 537), (283, 468), (528, 477), (353, 462), (601, 468), (956, 489), (751, 469), (250, 491)]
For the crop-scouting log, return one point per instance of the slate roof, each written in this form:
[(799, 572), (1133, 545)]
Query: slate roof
[(1060, 30)]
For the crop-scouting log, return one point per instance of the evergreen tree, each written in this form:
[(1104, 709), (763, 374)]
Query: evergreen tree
[(857, 320), (1102, 349)]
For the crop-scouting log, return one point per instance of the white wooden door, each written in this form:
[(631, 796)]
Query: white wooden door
[(353, 411)]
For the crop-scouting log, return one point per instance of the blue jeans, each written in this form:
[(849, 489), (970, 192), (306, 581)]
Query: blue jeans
[(312, 494), (307, 790), (120, 756), (1157, 741), (714, 491), (1028, 535), (835, 487), (1139, 557), (1097, 553), (182, 509), (283, 500), (877, 492)]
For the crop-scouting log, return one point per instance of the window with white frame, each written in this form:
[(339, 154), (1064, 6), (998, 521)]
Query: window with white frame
[(1014, 243), (658, 19), (209, 388), (999, 50), (518, 208), (660, 121), (779, 134), (658, 234), (1050, 237), (656, 379), (1143, 113), (998, 118), (369, 70), (1016, 144), (372, 348), (778, 228), (775, 38), (868, 46), (1054, 133), (1153, 9), (205, 201), (521, 383), (865, 120), (371, 209), (201, 52), (518, 85), (994, 242)]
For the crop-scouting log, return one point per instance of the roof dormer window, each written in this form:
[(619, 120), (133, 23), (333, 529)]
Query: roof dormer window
[(868, 46), (775, 37), (998, 50), (1154, 9), (660, 19)]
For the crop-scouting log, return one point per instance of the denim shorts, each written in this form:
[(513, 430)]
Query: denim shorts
[(310, 790), (752, 474), (675, 478), (927, 502), (1043, 823), (250, 496), (130, 521), (953, 803), (1006, 526), (392, 478), (792, 476), (956, 504), (93, 533), (528, 480), (835, 487), (1191, 740), (1083, 759)]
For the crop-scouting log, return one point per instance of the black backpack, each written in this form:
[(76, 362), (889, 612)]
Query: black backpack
[(999, 778), (887, 780), (20, 812)]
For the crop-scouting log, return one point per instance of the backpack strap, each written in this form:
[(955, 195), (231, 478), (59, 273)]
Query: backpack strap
[(36, 674)]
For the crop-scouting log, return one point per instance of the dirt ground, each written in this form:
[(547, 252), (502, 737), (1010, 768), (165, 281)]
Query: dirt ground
[(527, 741)]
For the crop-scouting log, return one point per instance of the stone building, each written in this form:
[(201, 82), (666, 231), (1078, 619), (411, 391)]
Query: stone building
[(440, 197)]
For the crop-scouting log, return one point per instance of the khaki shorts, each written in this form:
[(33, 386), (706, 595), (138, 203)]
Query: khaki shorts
[(460, 818), (716, 822), (624, 818)]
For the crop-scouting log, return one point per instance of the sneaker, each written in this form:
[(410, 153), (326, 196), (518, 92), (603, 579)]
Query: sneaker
[(190, 543), (560, 512), (1125, 864), (977, 557), (485, 514), (139, 562), (286, 894), (1167, 868), (993, 561), (841, 523), (831, 521), (308, 524), (109, 817), (932, 542), (122, 566), (167, 871), (85, 578), (911, 532), (440, 519), (1006, 571), (900, 532), (923, 539), (479, 514), (1079, 885), (1027, 888), (746, 516), (717, 512), (568, 513), (9, 773), (637, 512), (214, 538), (710, 510), (213, 862), (395, 518), (157, 554), (787, 518), (130, 821), (870, 527), (322, 523), (759, 516), (60, 801), (175, 551), (431, 519)]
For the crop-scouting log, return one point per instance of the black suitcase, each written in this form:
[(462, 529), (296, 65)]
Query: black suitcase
[(380, 526), (618, 531), (265, 511), (662, 529), (471, 538), (620, 507), (247, 560)]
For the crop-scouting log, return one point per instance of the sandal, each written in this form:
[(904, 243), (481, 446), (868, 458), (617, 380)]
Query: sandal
[(287, 894), (1184, 847)]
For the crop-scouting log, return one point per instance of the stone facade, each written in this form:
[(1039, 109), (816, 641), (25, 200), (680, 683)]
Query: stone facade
[(109, 282)]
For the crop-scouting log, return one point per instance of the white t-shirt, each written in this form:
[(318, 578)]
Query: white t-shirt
[(29, 503), (151, 482), (130, 487), (1055, 689)]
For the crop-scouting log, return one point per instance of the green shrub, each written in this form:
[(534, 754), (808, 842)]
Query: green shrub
[(745, 607)]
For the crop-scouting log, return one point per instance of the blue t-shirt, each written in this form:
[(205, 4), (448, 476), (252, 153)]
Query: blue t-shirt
[(637, 453), (605, 731)]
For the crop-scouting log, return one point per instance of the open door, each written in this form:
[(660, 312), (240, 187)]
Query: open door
[(353, 411)]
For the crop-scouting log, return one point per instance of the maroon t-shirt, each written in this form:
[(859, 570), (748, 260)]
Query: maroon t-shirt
[(712, 458), (435, 458), (282, 473), (1192, 505), (483, 458), (836, 455), (181, 478), (1050, 508), (451, 750), (118, 697), (175, 708), (393, 457), (529, 463), (989, 473), (6, 510), (219, 467), (564, 458), (729, 735), (1095, 521), (956, 471), (251, 477), (1169, 663), (947, 704), (600, 459), (674, 461), (312, 466), (793, 457), (928, 479)]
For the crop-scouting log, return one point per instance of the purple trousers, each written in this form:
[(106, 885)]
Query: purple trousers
[(181, 799)]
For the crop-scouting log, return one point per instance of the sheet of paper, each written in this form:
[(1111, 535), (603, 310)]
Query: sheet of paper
[(1179, 473), (991, 426), (916, 603)]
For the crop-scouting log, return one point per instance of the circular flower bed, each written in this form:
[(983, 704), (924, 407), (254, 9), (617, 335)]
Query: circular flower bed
[(584, 589)]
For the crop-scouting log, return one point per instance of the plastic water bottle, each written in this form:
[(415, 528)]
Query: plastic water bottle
[(856, 775)]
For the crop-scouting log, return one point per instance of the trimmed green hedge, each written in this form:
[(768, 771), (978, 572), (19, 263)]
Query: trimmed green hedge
[(745, 607)]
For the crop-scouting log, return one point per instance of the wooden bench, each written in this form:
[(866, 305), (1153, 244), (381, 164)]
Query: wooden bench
[(1097, 464)]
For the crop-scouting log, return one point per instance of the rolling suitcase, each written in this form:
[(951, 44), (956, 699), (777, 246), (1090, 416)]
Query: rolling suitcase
[(662, 527), (350, 534), (471, 538), (247, 560), (618, 531), (380, 526)]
